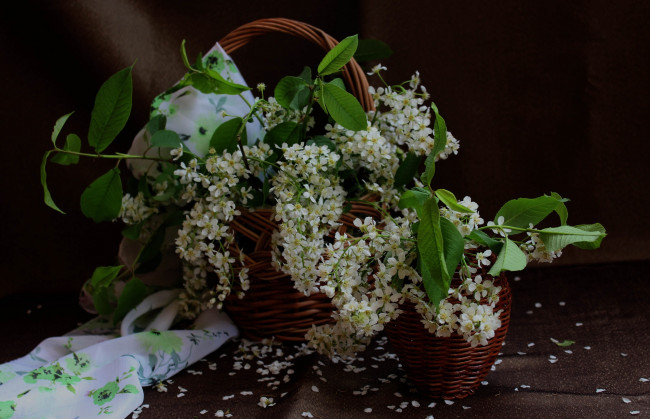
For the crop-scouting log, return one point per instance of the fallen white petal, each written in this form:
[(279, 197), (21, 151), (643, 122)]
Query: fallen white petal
[(626, 400), (600, 390), (449, 402), (368, 410), (634, 412), (578, 324), (644, 380), (314, 389)]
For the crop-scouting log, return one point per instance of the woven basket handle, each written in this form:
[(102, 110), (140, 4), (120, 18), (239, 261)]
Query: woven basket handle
[(352, 73)]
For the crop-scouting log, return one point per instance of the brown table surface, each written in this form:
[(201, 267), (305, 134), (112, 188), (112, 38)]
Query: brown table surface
[(603, 308)]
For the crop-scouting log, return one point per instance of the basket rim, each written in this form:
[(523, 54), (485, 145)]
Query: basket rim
[(353, 74)]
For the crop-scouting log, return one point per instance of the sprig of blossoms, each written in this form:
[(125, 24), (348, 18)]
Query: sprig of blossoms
[(213, 188)]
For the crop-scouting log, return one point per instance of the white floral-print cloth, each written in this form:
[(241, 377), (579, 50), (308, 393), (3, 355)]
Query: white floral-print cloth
[(93, 372)]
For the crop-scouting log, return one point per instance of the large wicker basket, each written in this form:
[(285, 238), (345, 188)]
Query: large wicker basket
[(272, 308), (450, 367)]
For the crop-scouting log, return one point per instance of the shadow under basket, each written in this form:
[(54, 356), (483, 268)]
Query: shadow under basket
[(448, 368)]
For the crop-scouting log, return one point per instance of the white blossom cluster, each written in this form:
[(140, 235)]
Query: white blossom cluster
[(400, 124), (465, 222), (135, 209), (469, 311), (309, 202), (406, 120), (535, 249), (359, 273), (368, 275), (275, 114), (214, 191)]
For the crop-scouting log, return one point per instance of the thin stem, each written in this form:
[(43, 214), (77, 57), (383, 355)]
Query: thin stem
[(119, 156)]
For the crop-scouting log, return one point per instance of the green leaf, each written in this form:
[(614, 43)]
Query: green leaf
[(72, 143), (439, 132), (587, 236), (47, 198), (225, 136), (165, 138), (510, 258), (429, 170), (596, 243), (285, 132), (223, 86), (435, 277), (292, 93), (338, 56), (482, 238), (111, 111), (449, 199), (102, 301), (58, 126), (156, 124), (413, 198), (198, 63), (305, 74), (337, 82), (102, 200), (453, 244), (561, 209), (563, 344), (525, 211), (184, 56), (372, 49), (344, 108), (103, 276), (407, 170), (439, 144), (133, 293)]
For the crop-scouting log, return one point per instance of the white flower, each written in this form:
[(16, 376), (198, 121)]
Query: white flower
[(266, 402), (376, 69), (483, 257)]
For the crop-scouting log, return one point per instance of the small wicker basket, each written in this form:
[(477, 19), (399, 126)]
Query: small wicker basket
[(448, 368), (271, 307)]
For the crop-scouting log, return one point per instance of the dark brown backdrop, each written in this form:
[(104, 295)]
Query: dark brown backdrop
[(543, 97)]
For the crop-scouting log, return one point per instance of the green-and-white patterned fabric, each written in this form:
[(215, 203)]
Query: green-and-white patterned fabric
[(96, 371)]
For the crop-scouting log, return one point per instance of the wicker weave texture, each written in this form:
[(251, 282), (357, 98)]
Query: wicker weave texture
[(450, 367)]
